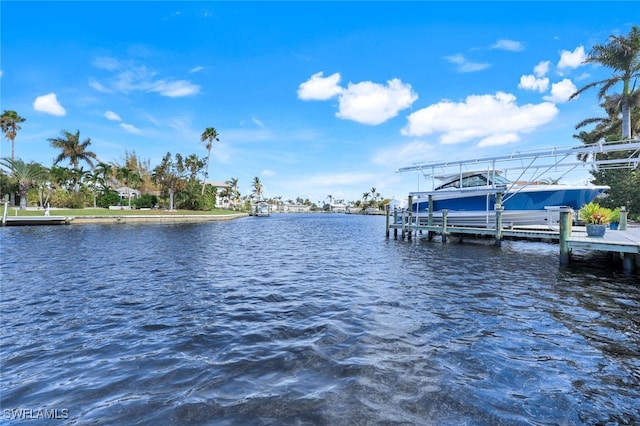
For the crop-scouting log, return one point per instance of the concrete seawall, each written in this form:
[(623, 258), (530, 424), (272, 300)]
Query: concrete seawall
[(83, 220)]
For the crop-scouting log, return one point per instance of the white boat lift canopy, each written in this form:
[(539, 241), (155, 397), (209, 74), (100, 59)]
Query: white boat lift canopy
[(540, 162)]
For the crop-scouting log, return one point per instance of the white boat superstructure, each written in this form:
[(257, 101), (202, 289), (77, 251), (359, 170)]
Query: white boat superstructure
[(468, 191)]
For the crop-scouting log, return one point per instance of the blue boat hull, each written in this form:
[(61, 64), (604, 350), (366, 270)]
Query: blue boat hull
[(529, 206), (529, 200)]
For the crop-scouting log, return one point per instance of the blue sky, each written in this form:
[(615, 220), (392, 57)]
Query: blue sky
[(314, 98)]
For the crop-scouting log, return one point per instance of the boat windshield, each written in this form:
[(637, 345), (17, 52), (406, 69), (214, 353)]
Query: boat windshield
[(474, 181)]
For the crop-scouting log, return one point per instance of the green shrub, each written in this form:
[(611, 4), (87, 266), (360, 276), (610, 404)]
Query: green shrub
[(146, 201), (110, 198)]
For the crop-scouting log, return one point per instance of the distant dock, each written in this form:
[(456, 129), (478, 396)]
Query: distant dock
[(624, 241), (35, 220)]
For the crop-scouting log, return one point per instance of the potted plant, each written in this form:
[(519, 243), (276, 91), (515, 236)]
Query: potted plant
[(614, 218), (595, 217)]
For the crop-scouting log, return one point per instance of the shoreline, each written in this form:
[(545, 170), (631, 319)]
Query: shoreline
[(84, 220)]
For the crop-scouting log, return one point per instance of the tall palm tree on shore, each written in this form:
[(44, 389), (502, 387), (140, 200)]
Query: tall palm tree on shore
[(105, 172), (257, 188), (209, 135), (72, 149), (9, 121), (621, 55), (606, 128), (232, 191), (27, 175)]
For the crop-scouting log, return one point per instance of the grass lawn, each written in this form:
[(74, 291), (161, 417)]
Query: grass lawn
[(106, 212)]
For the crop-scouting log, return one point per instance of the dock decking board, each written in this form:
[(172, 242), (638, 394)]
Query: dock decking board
[(624, 242), (627, 241)]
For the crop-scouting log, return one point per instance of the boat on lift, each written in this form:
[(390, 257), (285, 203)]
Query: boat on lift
[(469, 191), (470, 199)]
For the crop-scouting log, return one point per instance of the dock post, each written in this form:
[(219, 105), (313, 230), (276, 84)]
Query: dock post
[(6, 206), (445, 213), (566, 220), (404, 224), (628, 262), (395, 222), (499, 209), (623, 219), (387, 211), (410, 216), (430, 218)]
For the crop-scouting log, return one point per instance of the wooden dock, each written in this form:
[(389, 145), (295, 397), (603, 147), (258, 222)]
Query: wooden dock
[(625, 241), (35, 220)]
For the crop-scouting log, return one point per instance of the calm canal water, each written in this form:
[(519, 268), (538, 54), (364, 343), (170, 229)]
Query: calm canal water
[(308, 320)]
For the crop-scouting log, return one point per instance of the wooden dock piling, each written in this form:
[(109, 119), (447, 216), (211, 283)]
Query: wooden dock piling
[(624, 243), (499, 210), (566, 221)]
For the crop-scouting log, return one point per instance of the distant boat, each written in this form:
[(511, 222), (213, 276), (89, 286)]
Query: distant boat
[(262, 209)]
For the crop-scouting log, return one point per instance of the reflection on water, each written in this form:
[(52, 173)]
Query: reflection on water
[(309, 319)]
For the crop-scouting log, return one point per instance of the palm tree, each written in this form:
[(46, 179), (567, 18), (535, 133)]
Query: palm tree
[(9, 121), (73, 149), (193, 164), (257, 188), (129, 178), (27, 175), (231, 191), (61, 176), (96, 182), (621, 55), (209, 135), (77, 177), (606, 128), (104, 171), (170, 176)]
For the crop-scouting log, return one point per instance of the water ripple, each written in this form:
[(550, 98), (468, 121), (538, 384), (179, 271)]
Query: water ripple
[(309, 319)]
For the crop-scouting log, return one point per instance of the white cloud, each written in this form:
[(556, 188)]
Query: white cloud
[(491, 119), (541, 69), (196, 69), (571, 59), (257, 122), (319, 88), (530, 82), (513, 46), (399, 155), (373, 103), (174, 89), (464, 65), (268, 173), (130, 128), (499, 139), (128, 78), (335, 179), (106, 63), (110, 115), (561, 91), (99, 87), (365, 102), (583, 76), (49, 104)]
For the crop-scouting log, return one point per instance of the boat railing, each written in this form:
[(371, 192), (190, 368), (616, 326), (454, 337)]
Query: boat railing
[(539, 163), (476, 190)]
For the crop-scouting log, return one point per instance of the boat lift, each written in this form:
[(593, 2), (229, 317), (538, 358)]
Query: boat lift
[(539, 162)]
